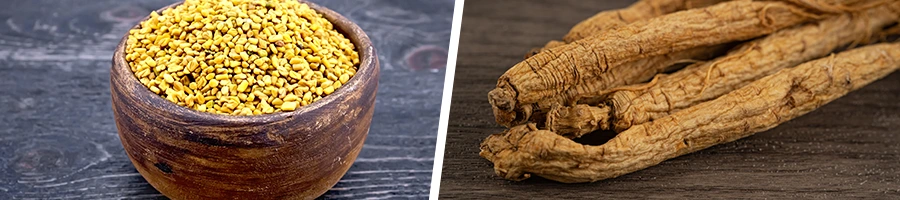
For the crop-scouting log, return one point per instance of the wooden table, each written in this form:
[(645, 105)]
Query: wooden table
[(849, 148), (58, 139)]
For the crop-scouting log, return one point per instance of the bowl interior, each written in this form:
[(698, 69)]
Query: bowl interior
[(367, 67)]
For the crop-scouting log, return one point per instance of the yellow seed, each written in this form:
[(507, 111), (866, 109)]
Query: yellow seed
[(172, 98), (178, 86), (307, 96), (246, 111), (296, 60), (290, 97), (259, 94), (328, 90), (275, 38), (245, 56), (213, 83), (154, 89), (168, 78), (175, 68), (221, 77), (289, 106), (295, 75), (315, 59), (344, 78), (263, 53), (150, 62), (243, 86)]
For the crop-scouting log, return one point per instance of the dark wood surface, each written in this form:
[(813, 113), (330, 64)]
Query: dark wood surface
[(849, 148), (58, 139)]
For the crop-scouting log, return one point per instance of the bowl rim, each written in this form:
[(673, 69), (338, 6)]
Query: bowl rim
[(367, 67)]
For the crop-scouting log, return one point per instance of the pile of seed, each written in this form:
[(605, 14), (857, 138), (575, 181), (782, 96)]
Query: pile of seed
[(240, 57)]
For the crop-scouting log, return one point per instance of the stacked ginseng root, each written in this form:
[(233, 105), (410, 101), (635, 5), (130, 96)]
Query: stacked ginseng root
[(609, 77)]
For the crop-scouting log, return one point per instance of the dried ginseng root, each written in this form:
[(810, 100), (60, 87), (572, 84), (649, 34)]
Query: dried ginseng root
[(641, 10), (635, 72), (834, 6), (647, 9), (611, 19), (563, 68), (709, 80), (522, 151)]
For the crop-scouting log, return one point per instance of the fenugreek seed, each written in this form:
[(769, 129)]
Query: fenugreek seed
[(168, 78), (178, 86), (246, 111), (289, 106), (175, 68), (263, 53), (213, 83), (328, 90), (150, 62), (277, 102), (296, 60), (314, 59), (221, 76), (154, 89), (344, 78), (290, 97), (295, 75), (243, 86), (307, 96), (245, 56)]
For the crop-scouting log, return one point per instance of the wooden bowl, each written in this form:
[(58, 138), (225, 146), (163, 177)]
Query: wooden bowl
[(187, 154)]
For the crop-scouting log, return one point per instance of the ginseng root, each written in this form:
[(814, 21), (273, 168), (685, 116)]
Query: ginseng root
[(522, 151), (641, 10), (709, 80), (612, 19), (566, 67), (833, 6), (634, 72), (647, 9)]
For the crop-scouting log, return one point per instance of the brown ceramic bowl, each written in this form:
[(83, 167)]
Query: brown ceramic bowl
[(187, 154)]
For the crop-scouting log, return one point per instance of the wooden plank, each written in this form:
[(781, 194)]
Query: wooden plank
[(846, 149)]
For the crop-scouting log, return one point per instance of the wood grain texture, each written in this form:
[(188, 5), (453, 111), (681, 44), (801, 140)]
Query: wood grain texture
[(58, 139), (846, 149)]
